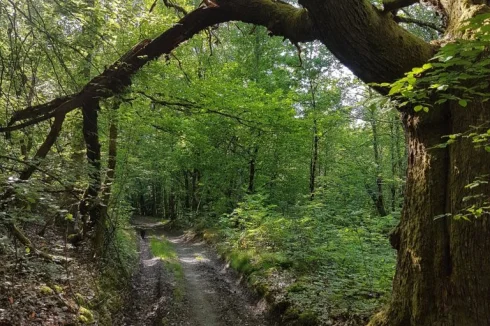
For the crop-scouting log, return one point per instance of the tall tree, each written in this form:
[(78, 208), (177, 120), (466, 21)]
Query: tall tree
[(440, 278)]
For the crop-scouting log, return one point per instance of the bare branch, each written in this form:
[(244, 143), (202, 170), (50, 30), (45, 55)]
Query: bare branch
[(187, 107), (421, 23)]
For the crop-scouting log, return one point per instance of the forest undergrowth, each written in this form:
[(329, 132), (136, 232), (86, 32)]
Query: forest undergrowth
[(313, 267)]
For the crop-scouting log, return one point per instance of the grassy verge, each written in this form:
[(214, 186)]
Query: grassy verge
[(163, 249)]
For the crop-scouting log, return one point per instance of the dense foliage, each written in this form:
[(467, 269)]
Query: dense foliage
[(275, 153)]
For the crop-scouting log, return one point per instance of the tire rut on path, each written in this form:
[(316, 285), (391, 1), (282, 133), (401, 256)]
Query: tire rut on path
[(147, 301), (213, 296)]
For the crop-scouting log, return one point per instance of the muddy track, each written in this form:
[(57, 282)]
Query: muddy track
[(150, 292), (201, 292)]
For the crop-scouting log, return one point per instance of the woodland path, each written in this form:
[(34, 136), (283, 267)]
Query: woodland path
[(197, 289)]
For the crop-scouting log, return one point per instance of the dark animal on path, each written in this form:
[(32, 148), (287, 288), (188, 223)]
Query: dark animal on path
[(142, 233)]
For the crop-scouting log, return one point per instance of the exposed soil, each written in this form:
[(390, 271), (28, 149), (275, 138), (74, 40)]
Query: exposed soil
[(202, 292)]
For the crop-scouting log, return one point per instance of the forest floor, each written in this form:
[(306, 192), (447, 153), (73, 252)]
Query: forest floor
[(34, 291), (181, 281)]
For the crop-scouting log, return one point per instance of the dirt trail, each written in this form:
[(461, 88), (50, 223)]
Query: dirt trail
[(201, 292)]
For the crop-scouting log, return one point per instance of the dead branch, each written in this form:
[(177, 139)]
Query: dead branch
[(26, 242)]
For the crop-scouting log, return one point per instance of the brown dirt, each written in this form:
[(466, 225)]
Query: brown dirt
[(204, 292)]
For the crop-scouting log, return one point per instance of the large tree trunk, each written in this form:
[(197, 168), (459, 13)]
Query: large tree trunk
[(442, 271), (314, 160)]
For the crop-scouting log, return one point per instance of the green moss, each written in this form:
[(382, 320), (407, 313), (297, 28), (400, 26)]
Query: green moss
[(114, 279), (80, 299), (241, 262), (178, 273), (163, 249), (308, 318), (46, 290), (210, 235), (86, 315), (83, 319), (291, 314), (305, 318), (297, 287), (58, 289), (269, 260), (261, 288)]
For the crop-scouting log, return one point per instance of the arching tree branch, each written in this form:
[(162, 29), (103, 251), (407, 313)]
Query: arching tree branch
[(377, 49), (280, 18)]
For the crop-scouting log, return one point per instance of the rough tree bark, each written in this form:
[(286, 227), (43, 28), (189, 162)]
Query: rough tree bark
[(441, 274)]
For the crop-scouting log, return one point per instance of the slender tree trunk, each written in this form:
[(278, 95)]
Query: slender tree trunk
[(394, 164), (397, 142), (314, 160), (252, 170), (172, 206), (377, 194), (154, 198), (106, 189), (187, 190), (196, 177), (401, 142), (44, 148)]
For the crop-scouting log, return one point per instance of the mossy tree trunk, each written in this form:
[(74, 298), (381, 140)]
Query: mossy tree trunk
[(441, 276), (442, 270)]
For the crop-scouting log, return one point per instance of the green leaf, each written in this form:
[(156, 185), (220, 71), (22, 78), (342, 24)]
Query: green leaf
[(463, 103), (395, 89), (418, 108)]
